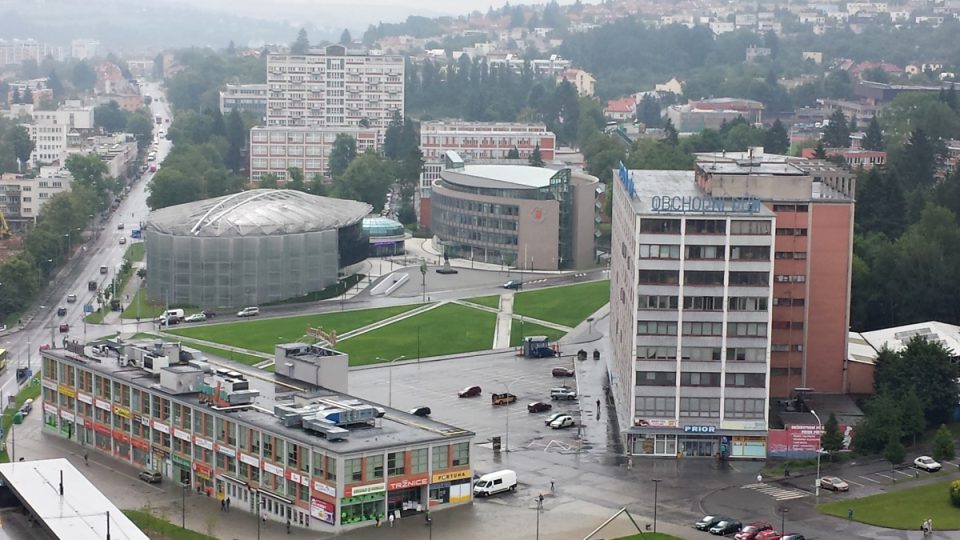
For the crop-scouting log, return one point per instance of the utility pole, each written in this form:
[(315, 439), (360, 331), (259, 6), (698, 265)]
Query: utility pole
[(423, 274)]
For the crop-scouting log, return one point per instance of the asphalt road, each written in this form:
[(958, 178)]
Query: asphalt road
[(103, 248)]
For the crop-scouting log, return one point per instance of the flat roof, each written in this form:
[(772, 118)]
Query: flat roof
[(395, 428), (865, 346), (766, 168), (79, 513), (517, 175), (650, 184)]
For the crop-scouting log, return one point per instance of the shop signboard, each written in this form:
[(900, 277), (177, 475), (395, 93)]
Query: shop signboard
[(226, 450), (103, 405), (450, 476), (161, 427), (744, 425), (203, 471), (141, 444), (84, 398), (67, 391), (203, 443), (655, 422), (272, 469), (409, 482), (253, 461), (325, 489), (48, 384), (182, 435), (699, 429), (50, 408), (102, 429), (322, 510), (367, 489), (177, 460), (121, 411), (68, 416), (121, 436)]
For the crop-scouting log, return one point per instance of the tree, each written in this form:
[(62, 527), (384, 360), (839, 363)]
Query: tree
[(83, 77), (343, 152), (917, 161), (302, 44), (648, 111), (831, 439), (236, 141), (837, 132), (658, 155), (22, 145), (944, 446), (110, 117), (317, 185), (921, 364), (295, 179), (268, 181), (536, 159), (671, 136), (27, 96), (912, 422), (367, 179), (603, 154), (55, 84), (88, 170), (141, 126), (171, 186), (880, 204), (820, 152), (873, 138), (346, 38), (894, 452), (514, 153), (776, 140)]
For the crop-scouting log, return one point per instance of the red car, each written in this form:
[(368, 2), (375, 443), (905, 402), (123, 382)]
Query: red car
[(470, 391), (751, 531), (769, 534), (538, 406), (563, 372)]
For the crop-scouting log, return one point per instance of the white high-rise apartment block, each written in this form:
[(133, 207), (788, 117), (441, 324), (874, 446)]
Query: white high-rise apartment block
[(49, 130), (334, 88), (81, 49), (277, 149)]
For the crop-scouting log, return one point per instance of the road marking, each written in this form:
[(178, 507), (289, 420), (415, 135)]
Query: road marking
[(903, 473), (868, 478), (885, 476), (854, 483), (780, 494)]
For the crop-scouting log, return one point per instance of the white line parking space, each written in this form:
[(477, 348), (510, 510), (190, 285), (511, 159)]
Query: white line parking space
[(908, 475), (869, 479), (849, 481), (885, 476)]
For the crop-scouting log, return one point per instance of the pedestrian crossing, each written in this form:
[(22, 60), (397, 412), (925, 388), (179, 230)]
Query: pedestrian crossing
[(778, 493)]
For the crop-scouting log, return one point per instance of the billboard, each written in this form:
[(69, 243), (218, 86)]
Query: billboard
[(801, 440)]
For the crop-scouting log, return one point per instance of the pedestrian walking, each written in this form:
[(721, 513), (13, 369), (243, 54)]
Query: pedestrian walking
[(551, 486), (86, 459), (223, 505), (759, 478), (391, 519), (850, 514), (228, 504), (288, 526), (598, 404)]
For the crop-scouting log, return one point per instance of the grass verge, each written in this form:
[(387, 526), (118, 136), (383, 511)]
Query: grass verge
[(567, 305), (31, 390), (448, 329), (158, 527), (135, 252), (332, 291), (261, 335), (518, 331), (903, 509), (492, 301)]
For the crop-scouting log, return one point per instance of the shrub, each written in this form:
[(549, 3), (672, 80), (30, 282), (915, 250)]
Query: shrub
[(955, 492)]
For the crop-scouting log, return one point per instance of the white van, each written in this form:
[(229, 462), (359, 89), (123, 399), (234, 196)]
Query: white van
[(495, 482), (173, 314)]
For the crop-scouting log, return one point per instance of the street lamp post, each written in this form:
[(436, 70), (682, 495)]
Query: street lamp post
[(656, 486), (423, 274), (539, 509), (819, 448), (390, 380), (183, 505), (783, 519), (69, 244)]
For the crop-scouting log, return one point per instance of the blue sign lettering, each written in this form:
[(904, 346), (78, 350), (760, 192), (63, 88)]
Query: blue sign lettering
[(705, 205), (699, 429), (627, 180)]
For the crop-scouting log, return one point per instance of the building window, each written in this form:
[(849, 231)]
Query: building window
[(700, 407), (351, 470), (395, 464), (791, 232), (656, 328), (750, 253), (701, 354), (660, 226), (374, 467), (746, 354), (418, 461), (788, 325), (656, 251), (688, 378), (656, 353), (657, 407), (743, 408), (794, 255), (441, 457), (706, 226), (746, 329), (659, 277), (751, 227), (747, 380), (703, 303), (461, 454), (749, 279), (699, 277), (747, 303), (656, 378), (696, 328), (657, 302), (703, 252)]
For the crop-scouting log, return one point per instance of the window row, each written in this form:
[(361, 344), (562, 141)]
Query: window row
[(702, 303), (701, 328), (703, 278), (703, 354), (705, 226), (700, 407), (672, 251)]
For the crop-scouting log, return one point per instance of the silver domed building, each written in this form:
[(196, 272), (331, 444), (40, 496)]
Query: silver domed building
[(252, 247)]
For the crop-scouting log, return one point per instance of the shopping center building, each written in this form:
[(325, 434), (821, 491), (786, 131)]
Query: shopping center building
[(690, 314), (289, 450)]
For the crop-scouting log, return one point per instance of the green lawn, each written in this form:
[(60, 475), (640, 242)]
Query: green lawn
[(649, 536), (135, 252), (903, 509), (448, 329), (492, 301), (568, 305), (531, 329), (141, 307), (332, 291), (29, 391), (158, 527), (261, 335)]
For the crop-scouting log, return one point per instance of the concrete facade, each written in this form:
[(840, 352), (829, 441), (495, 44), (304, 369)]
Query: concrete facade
[(276, 149)]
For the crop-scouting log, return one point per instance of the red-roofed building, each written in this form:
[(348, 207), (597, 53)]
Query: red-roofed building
[(620, 109)]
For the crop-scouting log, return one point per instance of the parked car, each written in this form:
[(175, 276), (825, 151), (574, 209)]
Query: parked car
[(793, 537), (513, 284), (708, 521), (420, 411), (64, 328), (539, 406), (927, 463), (71, 298), (210, 314), (168, 321), (123, 240), (150, 477), (751, 531), (553, 417), (470, 391), (834, 483), (495, 482), (44, 347), (248, 312), (196, 317), (119, 226), (562, 372), (61, 311), (561, 422), (726, 527), (26, 407), (768, 535), (563, 394)]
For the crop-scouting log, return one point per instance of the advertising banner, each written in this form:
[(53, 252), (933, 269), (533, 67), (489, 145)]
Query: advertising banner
[(801, 440), (322, 510)]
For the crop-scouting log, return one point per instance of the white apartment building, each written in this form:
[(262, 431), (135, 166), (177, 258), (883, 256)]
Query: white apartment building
[(15, 51), (275, 149), (81, 49), (475, 141), (50, 130), (334, 88), (22, 198), (690, 317), (244, 98)]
